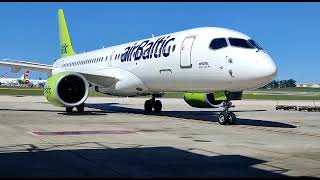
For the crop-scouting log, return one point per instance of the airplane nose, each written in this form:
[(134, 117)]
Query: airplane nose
[(270, 69), (266, 71), (255, 71)]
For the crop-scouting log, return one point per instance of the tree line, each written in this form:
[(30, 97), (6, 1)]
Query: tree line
[(281, 84)]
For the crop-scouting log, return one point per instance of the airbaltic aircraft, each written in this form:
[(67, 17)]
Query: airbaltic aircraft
[(211, 65)]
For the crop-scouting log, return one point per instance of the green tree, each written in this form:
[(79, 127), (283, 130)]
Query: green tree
[(291, 83), (273, 84)]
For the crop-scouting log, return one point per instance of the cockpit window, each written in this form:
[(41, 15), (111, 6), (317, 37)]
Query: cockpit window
[(240, 43), (218, 43), (255, 44)]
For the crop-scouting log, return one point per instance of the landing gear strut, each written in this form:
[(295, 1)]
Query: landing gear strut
[(152, 104), (227, 117)]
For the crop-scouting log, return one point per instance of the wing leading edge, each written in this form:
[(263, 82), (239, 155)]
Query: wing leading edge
[(99, 78), (16, 66)]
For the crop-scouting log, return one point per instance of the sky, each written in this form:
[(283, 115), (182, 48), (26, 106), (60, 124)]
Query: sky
[(289, 32)]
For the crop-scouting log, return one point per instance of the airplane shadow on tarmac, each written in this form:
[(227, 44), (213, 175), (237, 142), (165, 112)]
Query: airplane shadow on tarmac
[(210, 116), (97, 112), (128, 162)]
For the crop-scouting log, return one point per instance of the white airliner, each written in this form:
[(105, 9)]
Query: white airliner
[(211, 65), (9, 81), (24, 80)]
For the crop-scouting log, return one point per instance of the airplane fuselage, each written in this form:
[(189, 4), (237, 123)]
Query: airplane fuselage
[(176, 62)]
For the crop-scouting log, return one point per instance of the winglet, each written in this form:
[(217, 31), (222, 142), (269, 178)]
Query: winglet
[(65, 42)]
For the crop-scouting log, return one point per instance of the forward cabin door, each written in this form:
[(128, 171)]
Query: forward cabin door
[(185, 53)]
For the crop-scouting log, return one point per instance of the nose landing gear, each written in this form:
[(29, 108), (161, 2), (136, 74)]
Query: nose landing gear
[(152, 104), (226, 117)]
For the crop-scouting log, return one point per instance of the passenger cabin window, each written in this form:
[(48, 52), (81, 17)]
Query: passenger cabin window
[(218, 43), (240, 43), (255, 44)]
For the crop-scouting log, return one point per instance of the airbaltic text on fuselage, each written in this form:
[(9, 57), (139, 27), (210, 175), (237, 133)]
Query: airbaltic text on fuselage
[(148, 49)]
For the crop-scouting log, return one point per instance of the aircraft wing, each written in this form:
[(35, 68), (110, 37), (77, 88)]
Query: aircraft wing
[(100, 78), (16, 66)]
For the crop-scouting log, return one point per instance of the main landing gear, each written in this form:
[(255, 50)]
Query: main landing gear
[(225, 116), (80, 108), (152, 104)]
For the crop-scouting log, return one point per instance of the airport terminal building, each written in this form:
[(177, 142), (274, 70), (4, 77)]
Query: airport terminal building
[(311, 85)]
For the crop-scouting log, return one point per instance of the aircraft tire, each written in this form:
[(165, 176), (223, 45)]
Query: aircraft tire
[(148, 106), (80, 108), (223, 118), (157, 106), (69, 109), (232, 119)]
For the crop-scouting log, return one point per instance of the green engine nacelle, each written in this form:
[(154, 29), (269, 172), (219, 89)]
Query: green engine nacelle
[(209, 100), (66, 89), (205, 100)]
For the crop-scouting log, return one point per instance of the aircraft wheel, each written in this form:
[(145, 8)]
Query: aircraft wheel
[(69, 109), (232, 118), (157, 106), (148, 106), (80, 108), (223, 118)]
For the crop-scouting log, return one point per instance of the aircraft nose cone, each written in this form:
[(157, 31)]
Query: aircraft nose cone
[(257, 70), (270, 69), (267, 70)]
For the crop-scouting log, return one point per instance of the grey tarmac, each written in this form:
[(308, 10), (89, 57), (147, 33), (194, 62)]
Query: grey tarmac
[(115, 138)]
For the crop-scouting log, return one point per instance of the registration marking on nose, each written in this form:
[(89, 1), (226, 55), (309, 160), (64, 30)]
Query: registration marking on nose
[(66, 133)]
